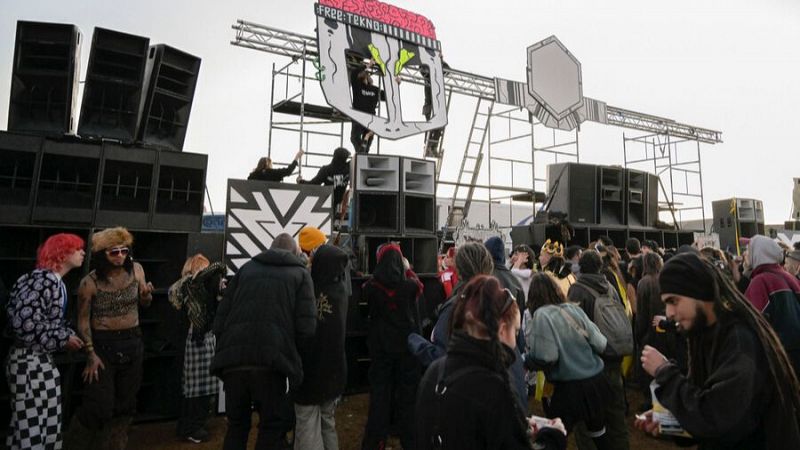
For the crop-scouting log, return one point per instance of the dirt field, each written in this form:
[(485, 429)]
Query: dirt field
[(350, 418)]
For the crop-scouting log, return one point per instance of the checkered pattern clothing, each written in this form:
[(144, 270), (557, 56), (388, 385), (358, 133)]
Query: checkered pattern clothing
[(197, 378), (35, 390)]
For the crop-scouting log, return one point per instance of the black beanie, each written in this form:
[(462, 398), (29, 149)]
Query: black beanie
[(685, 274)]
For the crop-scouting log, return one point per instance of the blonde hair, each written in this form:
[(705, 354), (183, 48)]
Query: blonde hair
[(194, 264)]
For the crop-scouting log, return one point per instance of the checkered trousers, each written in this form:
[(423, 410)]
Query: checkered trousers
[(197, 378), (35, 390)]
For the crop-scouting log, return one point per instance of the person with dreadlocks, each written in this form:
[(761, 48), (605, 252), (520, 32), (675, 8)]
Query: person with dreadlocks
[(197, 293), (394, 372), (108, 320), (741, 391), (465, 399)]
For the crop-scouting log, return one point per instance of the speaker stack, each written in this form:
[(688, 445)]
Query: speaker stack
[(737, 218), (395, 201)]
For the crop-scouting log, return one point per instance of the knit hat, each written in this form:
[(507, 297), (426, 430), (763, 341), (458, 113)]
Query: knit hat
[(310, 238), (111, 237), (685, 274), (497, 249)]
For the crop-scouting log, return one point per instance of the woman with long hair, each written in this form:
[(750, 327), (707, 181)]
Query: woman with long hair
[(741, 390), (197, 292), (392, 294), (465, 399), (566, 345), (523, 263)]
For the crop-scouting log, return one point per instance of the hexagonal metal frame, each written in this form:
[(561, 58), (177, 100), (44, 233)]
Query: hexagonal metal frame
[(542, 99)]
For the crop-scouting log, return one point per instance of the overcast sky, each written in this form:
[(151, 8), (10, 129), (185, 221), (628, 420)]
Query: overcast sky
[(728, 65)]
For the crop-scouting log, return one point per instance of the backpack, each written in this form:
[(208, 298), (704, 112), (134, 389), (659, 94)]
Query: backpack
[(610, 318)]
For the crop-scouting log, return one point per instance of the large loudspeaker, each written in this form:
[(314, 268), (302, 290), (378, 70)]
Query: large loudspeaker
[(19, 164), (637, 199), (67, 184), (737, 215), (44, 80), (418, 197), (112, 93), (126, 189), (180, 191), (611, 201), (377, 198), (652, 200), (171, 79), (572, 187)]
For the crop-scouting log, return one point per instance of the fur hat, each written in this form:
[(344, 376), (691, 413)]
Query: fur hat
[(111, 237), (310, 238)]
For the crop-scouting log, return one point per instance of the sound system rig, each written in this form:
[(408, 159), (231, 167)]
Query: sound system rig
[(600, 201), (393, 200), (736, 218), (124, 167)]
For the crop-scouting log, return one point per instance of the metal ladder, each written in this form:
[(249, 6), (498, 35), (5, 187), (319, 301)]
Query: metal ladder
[(471, 162)]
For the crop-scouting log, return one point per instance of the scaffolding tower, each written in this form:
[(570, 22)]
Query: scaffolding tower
[(484, 157)]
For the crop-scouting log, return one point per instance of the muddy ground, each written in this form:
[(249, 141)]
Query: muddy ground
[(350, 419)]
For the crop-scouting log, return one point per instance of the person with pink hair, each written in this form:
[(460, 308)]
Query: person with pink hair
[(36, 317)]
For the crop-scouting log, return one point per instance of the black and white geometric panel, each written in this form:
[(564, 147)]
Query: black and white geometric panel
[(257, 211)]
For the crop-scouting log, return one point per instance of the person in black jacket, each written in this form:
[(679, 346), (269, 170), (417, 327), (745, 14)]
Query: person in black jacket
[(365, 99), (336, 174), (265, 322), (465, 400), (325, 367), (590, 277), (394, 372), (265, 172), (741, 391)]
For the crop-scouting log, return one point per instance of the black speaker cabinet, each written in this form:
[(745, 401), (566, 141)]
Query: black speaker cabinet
[(180, 191), (19, 164), (651, 197), (377, 173), (112, 92), (733, 216), (67, 184), (171, 77), (418, 176), (418, 214), (572, 187), (421, 252), (611, 198), (377, 212), (44, 78), (126, 189), (636, 201)]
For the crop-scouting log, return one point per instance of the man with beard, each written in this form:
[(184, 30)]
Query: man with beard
[(741, 391), (108, 321)]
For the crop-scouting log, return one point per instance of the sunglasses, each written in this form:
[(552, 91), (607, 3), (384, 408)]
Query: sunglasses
[(118, 251), (510, 299)]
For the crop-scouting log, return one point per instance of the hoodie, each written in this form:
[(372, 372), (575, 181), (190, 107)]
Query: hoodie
[(336, 174), (775, 293), (498, 251)]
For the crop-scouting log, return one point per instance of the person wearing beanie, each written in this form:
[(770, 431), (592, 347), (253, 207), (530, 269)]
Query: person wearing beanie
[(497, 249), (310, 239), (336, 174), (740, 391), (108, 322), (776, 293), (325, 366), (392, 294)]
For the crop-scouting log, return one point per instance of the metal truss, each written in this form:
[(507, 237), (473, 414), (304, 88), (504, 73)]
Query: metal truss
[(272, 40)]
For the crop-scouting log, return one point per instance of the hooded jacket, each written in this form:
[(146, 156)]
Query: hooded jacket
[(336, 174), (502, 273), (325, 366), (775, 292), (477, 411), (267, 317)]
